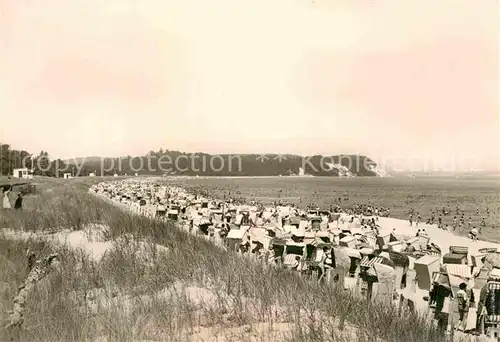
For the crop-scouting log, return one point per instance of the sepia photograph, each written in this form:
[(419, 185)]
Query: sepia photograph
[(250, 170)]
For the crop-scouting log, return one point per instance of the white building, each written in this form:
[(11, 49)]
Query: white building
[(343, 171), (22, 173), (67, 175), (92, 174)]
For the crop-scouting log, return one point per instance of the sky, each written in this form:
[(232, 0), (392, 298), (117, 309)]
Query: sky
[(385, 78)]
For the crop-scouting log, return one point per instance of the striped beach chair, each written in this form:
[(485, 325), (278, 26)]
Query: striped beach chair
[(493, 303), (290, 260)]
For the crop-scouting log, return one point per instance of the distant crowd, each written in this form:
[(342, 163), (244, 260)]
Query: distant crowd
[(445, 218), (438, 215)]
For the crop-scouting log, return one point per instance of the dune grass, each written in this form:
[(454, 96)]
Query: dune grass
[(126, 296)]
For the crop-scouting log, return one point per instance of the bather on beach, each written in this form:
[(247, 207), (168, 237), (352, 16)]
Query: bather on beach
[(6, 200)]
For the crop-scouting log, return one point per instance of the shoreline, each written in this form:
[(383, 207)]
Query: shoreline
[(297, 198), (443, 238)]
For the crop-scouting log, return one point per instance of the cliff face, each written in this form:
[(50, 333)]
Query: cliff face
[(202, 164)]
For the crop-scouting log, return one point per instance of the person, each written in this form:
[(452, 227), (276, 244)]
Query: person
[(481, 310), (325, 263), (296, 264), (243, 248), (441, 312), (19, 202), (271, 255), (473, 234), (31, 259), (6, 199), (463, 306)]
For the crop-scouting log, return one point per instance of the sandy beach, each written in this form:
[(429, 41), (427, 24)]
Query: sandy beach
[(442, 238)]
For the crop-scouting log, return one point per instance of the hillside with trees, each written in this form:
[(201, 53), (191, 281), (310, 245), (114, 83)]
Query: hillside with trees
[(40, 164), (202, 164), (165, 162)]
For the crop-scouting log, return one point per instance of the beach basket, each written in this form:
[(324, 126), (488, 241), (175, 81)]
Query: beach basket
[(492, 303), (425, 267)]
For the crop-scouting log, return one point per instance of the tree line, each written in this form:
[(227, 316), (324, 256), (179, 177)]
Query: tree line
[(165, 162), (40, 164), (202, 164)]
